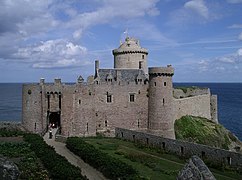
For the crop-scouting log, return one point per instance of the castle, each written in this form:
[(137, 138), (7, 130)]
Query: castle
[(130, 96)]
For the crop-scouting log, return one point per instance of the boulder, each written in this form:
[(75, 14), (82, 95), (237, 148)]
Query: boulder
[(195, 169), (8, 170)]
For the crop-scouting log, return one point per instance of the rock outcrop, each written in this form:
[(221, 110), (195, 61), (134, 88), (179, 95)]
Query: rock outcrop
[(8, 170), (195, 169)]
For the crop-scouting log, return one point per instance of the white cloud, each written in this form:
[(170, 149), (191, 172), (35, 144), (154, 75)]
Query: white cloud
[(227, 63), (53, 54), (198, 6), (234, 1), (239, 52), (111, 12), (240, 36), (235, 26)]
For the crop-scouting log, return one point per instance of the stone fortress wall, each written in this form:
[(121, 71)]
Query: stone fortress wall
[(127, 96), (182, 148)]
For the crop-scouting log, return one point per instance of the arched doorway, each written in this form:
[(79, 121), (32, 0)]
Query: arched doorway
[(54, 119)]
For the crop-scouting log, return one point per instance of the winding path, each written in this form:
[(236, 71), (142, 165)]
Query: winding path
[(61, 149)]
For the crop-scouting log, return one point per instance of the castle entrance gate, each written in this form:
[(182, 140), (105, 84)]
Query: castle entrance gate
[(54, 119)]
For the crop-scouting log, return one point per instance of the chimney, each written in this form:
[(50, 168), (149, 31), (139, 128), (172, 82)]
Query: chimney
[(96, 68)]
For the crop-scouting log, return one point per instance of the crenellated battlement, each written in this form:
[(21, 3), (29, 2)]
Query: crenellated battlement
[(161, 71)]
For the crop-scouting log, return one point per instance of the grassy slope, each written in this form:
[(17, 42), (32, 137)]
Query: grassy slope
[(203, 131), (149, 162)]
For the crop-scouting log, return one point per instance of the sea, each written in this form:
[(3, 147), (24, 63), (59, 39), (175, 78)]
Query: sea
[(229, 103)]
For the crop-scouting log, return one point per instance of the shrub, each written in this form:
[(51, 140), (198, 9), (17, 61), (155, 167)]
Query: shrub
[(57, 165), (111, 167)]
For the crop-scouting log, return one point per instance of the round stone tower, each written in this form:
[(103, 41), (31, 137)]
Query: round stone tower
[(160, 103), (130, 55)]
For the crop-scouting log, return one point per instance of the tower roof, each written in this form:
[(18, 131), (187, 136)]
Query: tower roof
[(130, 45)]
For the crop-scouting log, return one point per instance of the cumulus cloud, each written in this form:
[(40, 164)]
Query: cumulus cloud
[(227, 63), (53, 54), (198, 6)]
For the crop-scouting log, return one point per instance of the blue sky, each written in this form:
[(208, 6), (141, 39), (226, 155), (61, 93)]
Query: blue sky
[(202, 39)]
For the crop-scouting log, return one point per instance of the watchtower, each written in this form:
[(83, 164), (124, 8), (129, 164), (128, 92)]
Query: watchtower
[(160, 103), (130, 55)]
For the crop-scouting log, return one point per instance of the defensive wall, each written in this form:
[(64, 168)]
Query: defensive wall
[(182, 148)]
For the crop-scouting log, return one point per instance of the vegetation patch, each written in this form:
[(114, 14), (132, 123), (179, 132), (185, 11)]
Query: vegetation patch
[(4, 132), (28, 163), (110, 167), (204, 131), (57, 165)]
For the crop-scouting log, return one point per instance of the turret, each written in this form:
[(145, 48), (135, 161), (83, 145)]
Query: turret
[(130, 55), (160, 103)]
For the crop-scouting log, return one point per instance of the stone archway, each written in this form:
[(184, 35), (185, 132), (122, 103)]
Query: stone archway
[(54, 119)]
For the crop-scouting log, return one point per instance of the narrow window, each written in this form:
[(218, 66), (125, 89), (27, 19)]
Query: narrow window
[(138, 123), (143, 56), (96, 82), (122, 134), (155, 83), (79, 102), (147, 141), (131, 97), (87, 127), (164, 83), (140, 64), (106, 123), (163, 145), (182, 150), (59, 101), (34, 126), (203, 154), (229, 160), (163, 100), (133, 137), (109, 98), (48, 99)]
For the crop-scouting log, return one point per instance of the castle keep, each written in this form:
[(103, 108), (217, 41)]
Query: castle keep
[(130, 96)]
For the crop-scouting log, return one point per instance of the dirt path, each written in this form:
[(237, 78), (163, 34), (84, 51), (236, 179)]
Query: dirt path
[(61, 149)]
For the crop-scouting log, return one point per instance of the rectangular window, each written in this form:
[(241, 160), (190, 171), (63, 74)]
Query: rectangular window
[(131, 97), (164, 83), (140, 64), (155, 83), (109, 98)]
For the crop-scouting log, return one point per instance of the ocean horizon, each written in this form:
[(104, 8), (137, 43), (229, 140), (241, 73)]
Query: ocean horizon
[(229, 103)]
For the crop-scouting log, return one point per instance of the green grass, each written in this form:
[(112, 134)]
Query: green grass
[(203, 131), (28, 163), (151, 163)]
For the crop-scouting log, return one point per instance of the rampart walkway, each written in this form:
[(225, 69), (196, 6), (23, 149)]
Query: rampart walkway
[(61, 149)]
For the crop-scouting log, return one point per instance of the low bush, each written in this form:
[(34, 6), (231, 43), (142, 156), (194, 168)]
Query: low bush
[(57, 165), (10, 133), (110, 167)]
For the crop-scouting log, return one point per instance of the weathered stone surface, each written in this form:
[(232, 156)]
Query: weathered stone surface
[(195, 169), (217, 156), (8, 170)]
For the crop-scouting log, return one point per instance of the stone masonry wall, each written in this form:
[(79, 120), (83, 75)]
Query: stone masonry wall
[(195, 106), (181, 148), (32, 105), (120, 112)]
